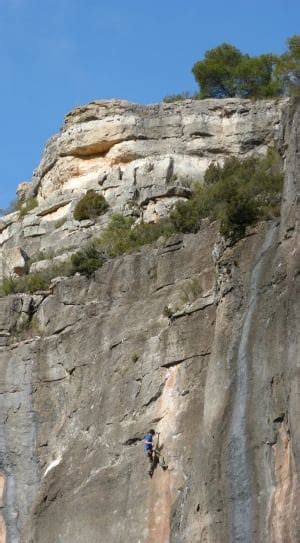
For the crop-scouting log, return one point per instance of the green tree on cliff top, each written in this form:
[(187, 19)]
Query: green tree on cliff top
[(227, 72), (288, 67)]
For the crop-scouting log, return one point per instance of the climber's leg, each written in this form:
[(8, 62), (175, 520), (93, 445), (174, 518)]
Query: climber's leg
[(151, 460)]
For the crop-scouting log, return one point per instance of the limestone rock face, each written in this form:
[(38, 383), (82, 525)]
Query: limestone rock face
[(143, 159), (128, 148), (194, 338), (15, 262)]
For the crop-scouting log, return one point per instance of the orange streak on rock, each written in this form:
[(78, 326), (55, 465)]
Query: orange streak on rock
[(284, 494), (162, 483), (160, 508)]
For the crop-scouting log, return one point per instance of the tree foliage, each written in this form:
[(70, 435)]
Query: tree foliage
[(237, 194), (288, 67), (90, 206), (226, 72)]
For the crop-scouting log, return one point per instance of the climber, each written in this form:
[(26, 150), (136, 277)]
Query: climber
[(149, 449), (154, 452)]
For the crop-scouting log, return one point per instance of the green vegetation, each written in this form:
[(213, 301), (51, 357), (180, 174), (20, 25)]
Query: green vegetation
[(87, 260), (22, 207), (226, 72), (122, 237), (288, 68), (33, 282), (13, 206), (237, 194), (180, 97), (118, 238), (90, 206), (42, 255), (30, 204), (29, 283)]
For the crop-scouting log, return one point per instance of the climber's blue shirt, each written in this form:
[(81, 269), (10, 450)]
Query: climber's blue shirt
[(147, 446)]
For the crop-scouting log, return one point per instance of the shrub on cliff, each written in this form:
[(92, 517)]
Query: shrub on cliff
[(87, 261), (35, 281), (29, 205), (119, 237), (122, 237), (22, 207), (29, 283), (237, 194), (116, 238), (13, 206), (180, 97), (90, 206)]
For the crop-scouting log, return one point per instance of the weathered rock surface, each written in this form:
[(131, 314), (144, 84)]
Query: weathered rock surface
[(196, 339), (15, 262), (141, 158)]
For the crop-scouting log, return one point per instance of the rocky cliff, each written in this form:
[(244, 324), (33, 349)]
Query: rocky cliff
[(141, 158), (192, 337)]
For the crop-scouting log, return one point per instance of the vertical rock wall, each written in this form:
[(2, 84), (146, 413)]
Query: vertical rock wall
[(198, 340)]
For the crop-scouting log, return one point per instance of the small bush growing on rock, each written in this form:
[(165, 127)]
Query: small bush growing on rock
[(28, 283), (180, 97), (14, 205), (88, 260), (237, 194), (29, 205), (19, 205), (115, 239), (90, 206), (8, 286), (33, 281), (121, 236), (187, 216), (42, 255)]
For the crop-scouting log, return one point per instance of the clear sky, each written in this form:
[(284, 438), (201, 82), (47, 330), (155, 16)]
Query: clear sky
[(57, 54)]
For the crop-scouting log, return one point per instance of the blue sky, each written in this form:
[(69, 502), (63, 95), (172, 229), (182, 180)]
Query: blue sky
[(57, 54)]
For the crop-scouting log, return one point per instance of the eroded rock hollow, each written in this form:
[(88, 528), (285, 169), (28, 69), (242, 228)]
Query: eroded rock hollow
[(191, 336)]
